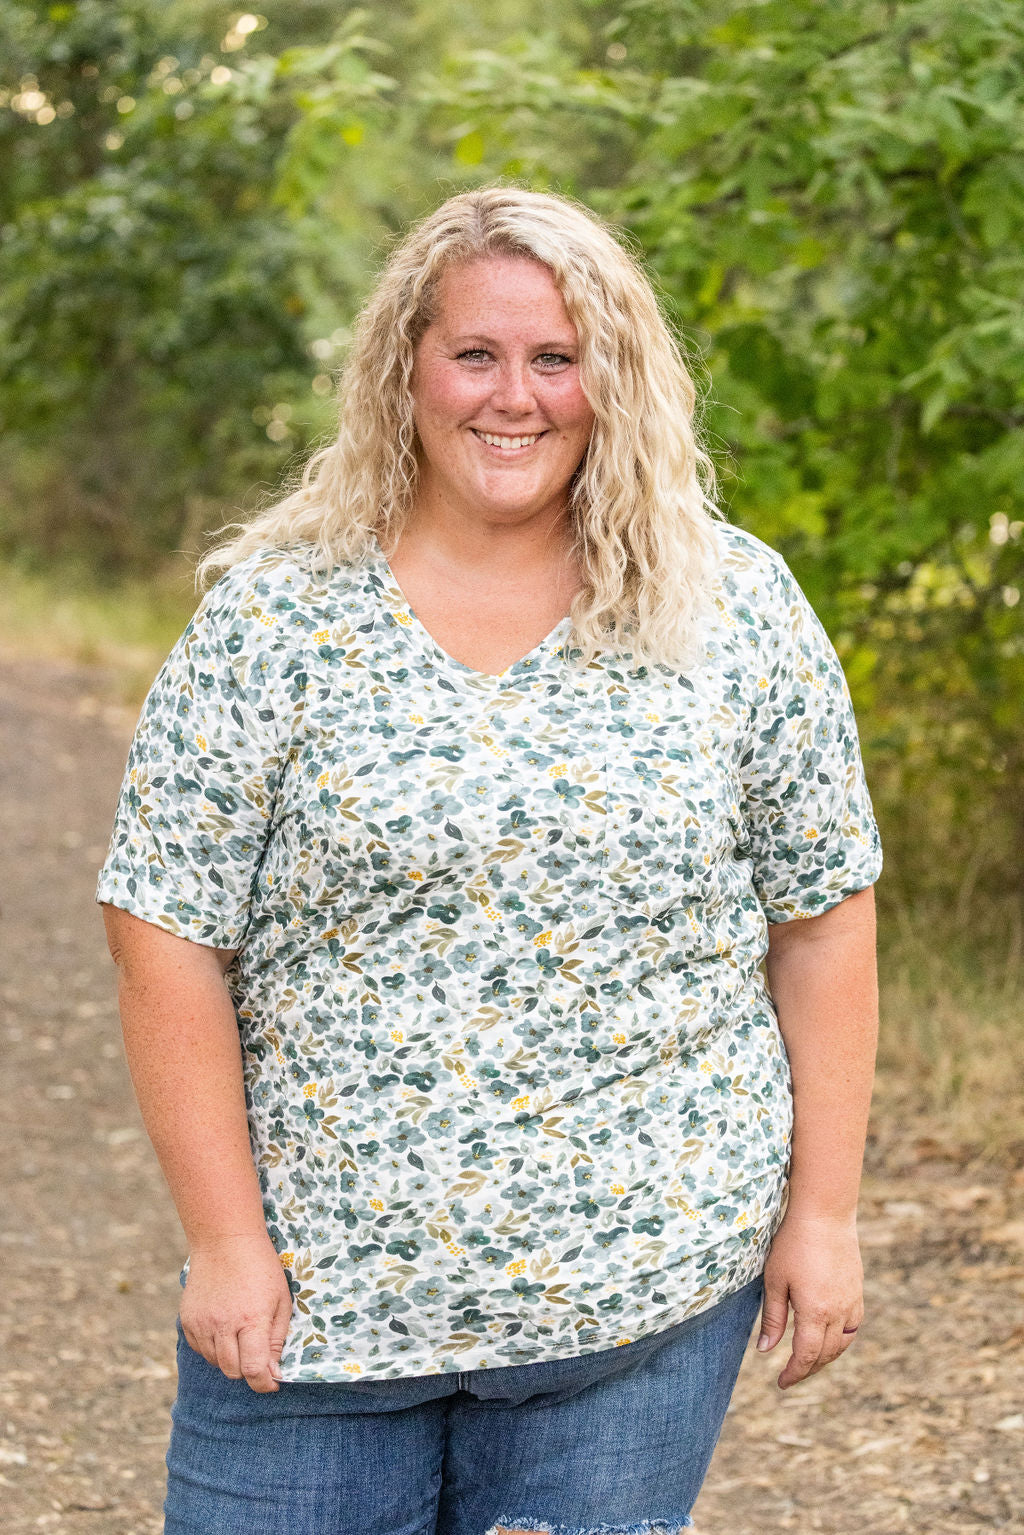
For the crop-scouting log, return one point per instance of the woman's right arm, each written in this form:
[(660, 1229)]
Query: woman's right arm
[(183, 1051)]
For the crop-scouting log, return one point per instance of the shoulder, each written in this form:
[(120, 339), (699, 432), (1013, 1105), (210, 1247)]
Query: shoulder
[(755, 585), (747, 564), (761, 615), (278, 597)]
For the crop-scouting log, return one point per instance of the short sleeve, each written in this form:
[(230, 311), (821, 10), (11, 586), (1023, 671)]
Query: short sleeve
[(812, 832), (196, 803)]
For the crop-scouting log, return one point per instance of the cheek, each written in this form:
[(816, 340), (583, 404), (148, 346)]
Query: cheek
[(571, 409), (443, 396)]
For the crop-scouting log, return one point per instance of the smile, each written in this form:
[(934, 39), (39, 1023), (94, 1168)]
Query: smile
[(506, 444)]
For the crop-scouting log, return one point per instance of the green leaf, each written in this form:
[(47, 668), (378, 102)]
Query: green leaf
[(470, 148)]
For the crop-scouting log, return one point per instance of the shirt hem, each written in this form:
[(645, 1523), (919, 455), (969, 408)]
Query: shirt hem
[(748, 1263), (776, 915), (199, 927)]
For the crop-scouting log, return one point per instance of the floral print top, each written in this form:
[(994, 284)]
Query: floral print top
[(515, 1084)]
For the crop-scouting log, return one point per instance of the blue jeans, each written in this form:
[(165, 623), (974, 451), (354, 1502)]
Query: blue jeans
[(617, 1441)]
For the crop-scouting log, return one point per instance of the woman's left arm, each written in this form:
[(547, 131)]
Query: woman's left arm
[(822, 976)]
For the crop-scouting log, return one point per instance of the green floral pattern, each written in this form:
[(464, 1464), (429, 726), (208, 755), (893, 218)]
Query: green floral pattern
[(516, 1087)]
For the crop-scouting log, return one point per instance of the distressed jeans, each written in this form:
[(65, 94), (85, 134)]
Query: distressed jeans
[(610, 1443)]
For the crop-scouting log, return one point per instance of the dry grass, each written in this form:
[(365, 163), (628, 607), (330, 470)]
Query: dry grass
[(952, 1038), (125, 629)]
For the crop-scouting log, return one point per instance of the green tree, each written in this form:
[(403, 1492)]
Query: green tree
[(197, 199), (832, 195), (154, 311)]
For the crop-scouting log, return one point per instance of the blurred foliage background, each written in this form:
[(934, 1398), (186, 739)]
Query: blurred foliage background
[(830, 197)]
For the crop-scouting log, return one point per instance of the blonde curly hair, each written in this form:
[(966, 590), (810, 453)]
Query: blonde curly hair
[(641, 504)]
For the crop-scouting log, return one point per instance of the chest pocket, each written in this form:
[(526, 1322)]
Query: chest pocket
[(672, 821)]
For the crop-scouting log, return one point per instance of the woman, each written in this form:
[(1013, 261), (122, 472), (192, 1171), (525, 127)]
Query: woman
[(454, 833)]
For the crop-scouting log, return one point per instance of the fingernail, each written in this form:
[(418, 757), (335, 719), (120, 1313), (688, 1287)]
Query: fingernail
[(763, 1342)]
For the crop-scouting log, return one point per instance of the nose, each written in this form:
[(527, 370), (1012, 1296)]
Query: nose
[(513, 392)]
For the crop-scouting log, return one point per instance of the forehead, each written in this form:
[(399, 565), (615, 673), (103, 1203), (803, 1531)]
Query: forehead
[(501, 293)]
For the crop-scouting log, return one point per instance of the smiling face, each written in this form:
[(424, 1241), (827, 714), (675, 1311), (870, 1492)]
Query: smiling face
[(500, 412)]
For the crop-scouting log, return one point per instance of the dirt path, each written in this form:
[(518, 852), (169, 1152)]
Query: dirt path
[(920, 1429)]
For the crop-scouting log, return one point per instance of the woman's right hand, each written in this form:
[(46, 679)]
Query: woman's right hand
[(236, 1308)]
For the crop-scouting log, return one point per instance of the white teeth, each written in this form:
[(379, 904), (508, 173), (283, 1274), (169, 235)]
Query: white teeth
[(508, 442)]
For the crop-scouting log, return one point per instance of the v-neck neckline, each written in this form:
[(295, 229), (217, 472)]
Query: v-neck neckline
[(404, 617)]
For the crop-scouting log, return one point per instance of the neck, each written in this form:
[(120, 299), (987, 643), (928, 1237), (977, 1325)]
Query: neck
[(464, 538)]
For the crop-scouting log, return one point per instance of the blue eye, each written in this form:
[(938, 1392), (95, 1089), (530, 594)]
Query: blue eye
[(475, 351), (553, 358)]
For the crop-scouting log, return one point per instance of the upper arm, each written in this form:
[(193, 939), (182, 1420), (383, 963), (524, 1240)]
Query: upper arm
[(853, 917), (822, 972)]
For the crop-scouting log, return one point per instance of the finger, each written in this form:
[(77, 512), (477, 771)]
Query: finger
[(808, 1337), (279, 1332), (774, 1315), (254, 1358), (227, 1355), (845, 1341), (200, 1343), (849, 1334), (831, 1346)]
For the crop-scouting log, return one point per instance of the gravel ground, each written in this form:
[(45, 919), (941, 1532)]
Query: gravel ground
[(918, 1430)]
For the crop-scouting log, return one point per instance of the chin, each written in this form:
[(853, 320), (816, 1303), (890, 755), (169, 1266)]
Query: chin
[(530, 501), (504, 497)]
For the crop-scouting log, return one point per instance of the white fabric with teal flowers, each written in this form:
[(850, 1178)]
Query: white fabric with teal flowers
[(516, 1088)]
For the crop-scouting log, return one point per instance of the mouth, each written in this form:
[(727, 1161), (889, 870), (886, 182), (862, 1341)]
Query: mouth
[(508, 446)]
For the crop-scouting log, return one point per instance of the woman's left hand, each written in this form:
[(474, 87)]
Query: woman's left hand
[(815, 1267)]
